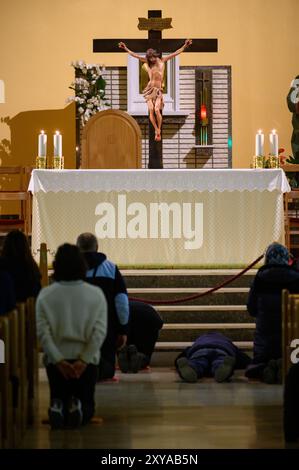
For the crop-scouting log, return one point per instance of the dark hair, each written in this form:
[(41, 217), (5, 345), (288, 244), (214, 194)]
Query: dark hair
[(151, 53), (16, 250), (87, 242), (69, 264)]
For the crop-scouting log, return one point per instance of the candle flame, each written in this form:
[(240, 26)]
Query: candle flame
[(273, 131), (57, 132), (260, 131), (42, 132)]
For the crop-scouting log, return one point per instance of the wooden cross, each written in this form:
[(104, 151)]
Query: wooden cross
[(155, 41)]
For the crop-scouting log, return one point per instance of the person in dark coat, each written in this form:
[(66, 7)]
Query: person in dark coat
[(105, 274), (18, 261), (133, 327), (145, 324), (264, 303), (211, 354)]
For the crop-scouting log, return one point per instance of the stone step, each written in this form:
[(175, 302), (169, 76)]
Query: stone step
[(185, 277), (225, 296), (190, 334), (180, 345), (201, 308), (209, 326), (204, 314), (187, 290)]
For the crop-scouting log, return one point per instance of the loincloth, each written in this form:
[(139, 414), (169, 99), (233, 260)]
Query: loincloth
[(152, 93)]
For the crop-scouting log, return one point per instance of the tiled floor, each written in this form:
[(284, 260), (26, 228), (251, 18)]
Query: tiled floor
[(156, 410)]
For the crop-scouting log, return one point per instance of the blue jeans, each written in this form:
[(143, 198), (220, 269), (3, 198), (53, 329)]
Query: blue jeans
[(206, 361)]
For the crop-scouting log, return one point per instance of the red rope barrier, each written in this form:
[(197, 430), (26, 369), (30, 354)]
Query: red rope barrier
[(196, 296)]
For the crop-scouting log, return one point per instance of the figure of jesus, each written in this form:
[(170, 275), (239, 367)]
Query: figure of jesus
[(153, 92)]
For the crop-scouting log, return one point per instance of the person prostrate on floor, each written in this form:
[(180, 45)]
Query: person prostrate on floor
[(71, 327), (264, 303), (211, 355)]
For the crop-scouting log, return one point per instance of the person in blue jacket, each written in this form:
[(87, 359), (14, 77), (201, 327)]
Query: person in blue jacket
[(211, 354), (133, 327), (264, 304)]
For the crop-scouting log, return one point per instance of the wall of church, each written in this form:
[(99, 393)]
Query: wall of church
[(258, 38)]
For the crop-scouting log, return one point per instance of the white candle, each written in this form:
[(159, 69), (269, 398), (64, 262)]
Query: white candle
[(273, 143), (42, 144), (259, 144), (57, 144)]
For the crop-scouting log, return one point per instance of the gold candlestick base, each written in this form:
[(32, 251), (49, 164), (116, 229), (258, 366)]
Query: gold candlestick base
[(273, 161), (41, 163), (58, 163), (258, 162)]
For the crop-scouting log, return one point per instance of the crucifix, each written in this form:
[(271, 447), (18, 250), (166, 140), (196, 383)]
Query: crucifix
[(155, 24)]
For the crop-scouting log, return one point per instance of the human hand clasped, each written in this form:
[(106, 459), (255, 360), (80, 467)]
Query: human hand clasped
[(71, 371)]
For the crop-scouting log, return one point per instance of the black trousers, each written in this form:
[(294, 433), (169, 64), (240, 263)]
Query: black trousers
[(144, 326), (82, 388)]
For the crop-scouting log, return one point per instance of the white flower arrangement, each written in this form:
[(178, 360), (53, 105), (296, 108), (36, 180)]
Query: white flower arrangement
[(89, 87)]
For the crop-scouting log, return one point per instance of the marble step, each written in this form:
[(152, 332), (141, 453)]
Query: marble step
[(185, 277), (204, 313), (209, 326), (190, 334), (180, 345), (224, 296)]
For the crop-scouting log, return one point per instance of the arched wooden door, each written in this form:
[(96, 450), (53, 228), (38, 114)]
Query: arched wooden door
[(111, 139)]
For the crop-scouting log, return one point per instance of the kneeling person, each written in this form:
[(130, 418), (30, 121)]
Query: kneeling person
[(71, 327), (105, 274)]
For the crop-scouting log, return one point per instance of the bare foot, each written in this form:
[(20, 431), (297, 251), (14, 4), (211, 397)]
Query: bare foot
[(158, 136)]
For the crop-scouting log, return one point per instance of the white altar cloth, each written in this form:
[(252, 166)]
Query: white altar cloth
[(162, 217)]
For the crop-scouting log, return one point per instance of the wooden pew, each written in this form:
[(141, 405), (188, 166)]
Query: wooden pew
[(15, 376), (6, 387), (290, 326), (23, 392), (32, 359)]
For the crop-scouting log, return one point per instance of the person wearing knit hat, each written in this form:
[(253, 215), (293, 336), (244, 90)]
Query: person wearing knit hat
[(264, 304)]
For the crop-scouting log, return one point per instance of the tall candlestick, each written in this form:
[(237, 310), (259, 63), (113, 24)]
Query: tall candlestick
[(57, 144), (273, 143), (42, 144), (259, 144)]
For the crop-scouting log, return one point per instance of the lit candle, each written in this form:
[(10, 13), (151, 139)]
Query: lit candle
[(274, 143), (42, 144), (259, 144), (57, 144)]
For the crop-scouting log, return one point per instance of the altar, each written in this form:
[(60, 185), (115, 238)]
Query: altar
[(162, 218)]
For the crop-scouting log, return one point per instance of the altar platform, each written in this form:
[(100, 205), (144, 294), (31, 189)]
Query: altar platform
[(162, 218)]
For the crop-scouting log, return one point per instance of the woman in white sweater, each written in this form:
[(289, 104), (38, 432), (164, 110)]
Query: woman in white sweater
[(71, 327)]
